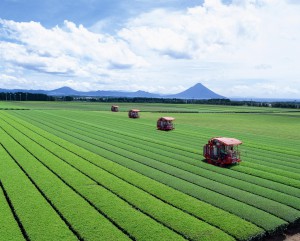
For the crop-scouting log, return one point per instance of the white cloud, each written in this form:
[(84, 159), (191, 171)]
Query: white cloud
[(263, 89), (221, 45), (67, 50), (199, 32), (249, 39), (12, 81)]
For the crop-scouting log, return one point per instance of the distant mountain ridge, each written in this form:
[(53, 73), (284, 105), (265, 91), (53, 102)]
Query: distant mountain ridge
[(197, 91)]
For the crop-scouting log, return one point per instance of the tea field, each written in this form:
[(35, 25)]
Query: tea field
[(76, 171)]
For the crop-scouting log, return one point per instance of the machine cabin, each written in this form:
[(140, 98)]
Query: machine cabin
[(114, 108), (222, 151), (165, 123), (134, 113)]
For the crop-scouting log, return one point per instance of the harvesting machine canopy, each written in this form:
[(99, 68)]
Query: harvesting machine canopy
[(115, 108), (134, 113), (222, 151), (165, 123)]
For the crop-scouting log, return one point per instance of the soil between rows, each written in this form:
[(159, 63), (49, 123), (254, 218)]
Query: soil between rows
[(291, 234)]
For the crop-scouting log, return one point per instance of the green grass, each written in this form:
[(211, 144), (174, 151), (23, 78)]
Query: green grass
[(9, 229), (137, 224), (144, 107), (126, 180), (229, 223), (36, 215), (255, 215), (82, 218)]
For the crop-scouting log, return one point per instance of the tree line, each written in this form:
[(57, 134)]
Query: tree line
[(190, 101), (22, 96)]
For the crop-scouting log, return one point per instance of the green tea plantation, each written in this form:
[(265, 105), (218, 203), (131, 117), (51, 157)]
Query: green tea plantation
[(77, 171)]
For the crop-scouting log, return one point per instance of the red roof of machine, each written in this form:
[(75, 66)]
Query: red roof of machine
[(135, 110), (168, 118), (228, 141)]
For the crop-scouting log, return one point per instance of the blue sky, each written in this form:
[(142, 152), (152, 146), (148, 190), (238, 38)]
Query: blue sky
[(53, 12), (245, 48)]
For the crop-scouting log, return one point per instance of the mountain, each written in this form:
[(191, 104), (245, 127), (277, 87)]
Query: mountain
[(64, 91), (120, 94), (198, 91)]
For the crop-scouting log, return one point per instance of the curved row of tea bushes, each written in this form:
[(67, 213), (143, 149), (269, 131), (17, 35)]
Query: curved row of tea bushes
[(190, 153), (188, 226), (112, 123), (189, 132), (291, 171), (129, 128), (38, 219), (231, 224), (9, 229), (265, 174), (119, 211), (279, 210), (272, 181), (257, 216), (187, 164), (82, 218)]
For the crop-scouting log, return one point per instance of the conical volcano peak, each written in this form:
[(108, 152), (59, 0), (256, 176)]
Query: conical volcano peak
[(198, 91)]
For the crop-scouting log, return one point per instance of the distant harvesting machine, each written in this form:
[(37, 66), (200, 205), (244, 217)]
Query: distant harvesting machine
[(222, 151), (114, 108), (165, 123), (134, 113)]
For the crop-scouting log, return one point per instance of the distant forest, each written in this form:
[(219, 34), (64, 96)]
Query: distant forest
[(21, 96)]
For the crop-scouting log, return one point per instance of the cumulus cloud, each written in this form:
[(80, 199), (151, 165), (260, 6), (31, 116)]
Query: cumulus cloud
[(215, 30), (219, 44), (247, 38), (265, 90), (195, 33), (263, 66), (68, 50), (12, 81)]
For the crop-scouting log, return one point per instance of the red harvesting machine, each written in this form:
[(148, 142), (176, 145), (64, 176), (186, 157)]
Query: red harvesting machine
[(165, 123), (134, 113), (114, 108), (222, 151)]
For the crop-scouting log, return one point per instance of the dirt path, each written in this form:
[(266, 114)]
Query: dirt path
[(295, 237), (291, 234)]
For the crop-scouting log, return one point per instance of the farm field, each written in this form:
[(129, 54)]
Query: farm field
[(153, 107), (76, 171)]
